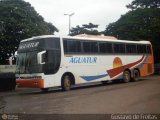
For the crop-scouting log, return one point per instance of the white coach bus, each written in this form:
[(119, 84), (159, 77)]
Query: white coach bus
[(48, 61)]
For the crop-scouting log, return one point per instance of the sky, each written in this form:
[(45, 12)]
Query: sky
[(101, 12)]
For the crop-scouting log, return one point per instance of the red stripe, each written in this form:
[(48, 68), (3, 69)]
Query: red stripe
[(115, 71)]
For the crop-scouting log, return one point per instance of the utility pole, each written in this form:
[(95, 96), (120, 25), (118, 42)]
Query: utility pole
[(69, 15)]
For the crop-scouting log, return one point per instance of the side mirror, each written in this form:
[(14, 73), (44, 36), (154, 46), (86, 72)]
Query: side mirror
[(41, 57)]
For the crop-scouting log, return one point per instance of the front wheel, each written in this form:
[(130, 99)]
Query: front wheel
[(136, 75), (66, 83), (126, 76), (44, 89)]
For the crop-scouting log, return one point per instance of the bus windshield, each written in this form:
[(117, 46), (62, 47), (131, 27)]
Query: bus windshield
[(27, 63)]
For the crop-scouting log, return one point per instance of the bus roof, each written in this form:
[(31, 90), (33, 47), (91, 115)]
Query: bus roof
[(97, 36), (89, 37)]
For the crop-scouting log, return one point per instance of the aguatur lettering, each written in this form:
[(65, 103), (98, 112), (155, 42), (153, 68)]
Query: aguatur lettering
[(83, 60)]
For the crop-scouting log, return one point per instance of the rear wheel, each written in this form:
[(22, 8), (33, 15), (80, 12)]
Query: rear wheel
[(136, 75), (66, 83), (126, 76)]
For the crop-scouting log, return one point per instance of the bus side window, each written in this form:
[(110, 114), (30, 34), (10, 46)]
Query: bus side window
[(72, 46), (119, 48), (141, 49), (131, 48), (94, 47), (65, 46), (86, 47), (53, 61), (105, 47), (90, 47), (149, 49), (102, 48)]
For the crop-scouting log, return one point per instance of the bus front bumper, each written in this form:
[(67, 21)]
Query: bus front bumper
[(30, 83)]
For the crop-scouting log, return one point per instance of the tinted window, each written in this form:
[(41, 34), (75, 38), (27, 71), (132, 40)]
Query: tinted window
[(131, 48), (65, 46), (105, 47), (94, 47), (90, 47), (141, 48), (33, 45), (119, 48), (52, 43), (72, 46), (39, 44), (149, 49), (86, 47), (53, 58)]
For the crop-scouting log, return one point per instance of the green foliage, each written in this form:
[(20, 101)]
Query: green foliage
[(19, 20), (138, 24), (85, 29), (144, 4), (141, 23)]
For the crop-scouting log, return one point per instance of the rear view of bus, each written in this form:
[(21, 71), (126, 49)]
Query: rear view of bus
[(37, 56)]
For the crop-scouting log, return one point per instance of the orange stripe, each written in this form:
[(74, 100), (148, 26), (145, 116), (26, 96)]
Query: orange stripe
[(30, 83)]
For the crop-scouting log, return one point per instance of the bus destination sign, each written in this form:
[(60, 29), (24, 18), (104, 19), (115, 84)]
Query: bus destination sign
[(28, 45)]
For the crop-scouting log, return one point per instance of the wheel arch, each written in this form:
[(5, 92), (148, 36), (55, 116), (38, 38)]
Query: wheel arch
[(71, 75), (138, 70), (127, 69)]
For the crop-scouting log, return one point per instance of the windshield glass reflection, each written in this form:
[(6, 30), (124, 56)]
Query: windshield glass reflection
[(27, 63)]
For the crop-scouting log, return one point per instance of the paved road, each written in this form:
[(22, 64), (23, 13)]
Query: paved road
[(134, 97)]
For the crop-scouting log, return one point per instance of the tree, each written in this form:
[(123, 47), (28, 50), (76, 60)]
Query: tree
[(144, 4), (141, 23), (138, 24), (19, 20), (90, 29)]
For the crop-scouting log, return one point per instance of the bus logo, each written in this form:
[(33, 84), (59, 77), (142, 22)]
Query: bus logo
[(83, 60)]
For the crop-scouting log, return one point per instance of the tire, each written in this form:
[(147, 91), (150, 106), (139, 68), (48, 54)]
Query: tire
[(136, 75), (44, 89), (126, 76), (104, 82), (66, 83)]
